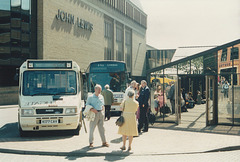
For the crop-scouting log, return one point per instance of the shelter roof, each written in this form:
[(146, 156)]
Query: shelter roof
[(183, 52)]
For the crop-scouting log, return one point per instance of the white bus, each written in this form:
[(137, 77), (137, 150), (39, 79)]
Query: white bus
[(49, 96), (113, 73)]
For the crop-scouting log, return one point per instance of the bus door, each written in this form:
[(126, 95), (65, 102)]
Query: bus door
[(211, 100)]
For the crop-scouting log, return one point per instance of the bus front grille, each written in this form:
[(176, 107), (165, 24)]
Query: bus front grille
[(49, 111)]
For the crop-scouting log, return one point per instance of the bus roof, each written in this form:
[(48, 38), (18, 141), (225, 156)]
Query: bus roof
[(107, 61)]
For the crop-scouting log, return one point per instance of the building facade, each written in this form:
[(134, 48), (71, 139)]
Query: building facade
[(81, 30), (90, 30), (228, 62)]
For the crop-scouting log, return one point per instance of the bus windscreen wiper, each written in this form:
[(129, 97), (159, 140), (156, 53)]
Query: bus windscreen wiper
[(59, 93), (41, 93)]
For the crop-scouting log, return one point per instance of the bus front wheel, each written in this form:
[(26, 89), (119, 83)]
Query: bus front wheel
[(76, 131), (21, 132)]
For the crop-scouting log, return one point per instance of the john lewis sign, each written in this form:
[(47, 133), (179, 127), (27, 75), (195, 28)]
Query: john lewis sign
[(70, 18)]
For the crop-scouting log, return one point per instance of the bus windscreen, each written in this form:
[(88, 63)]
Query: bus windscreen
[(116, 81), (48, 82)]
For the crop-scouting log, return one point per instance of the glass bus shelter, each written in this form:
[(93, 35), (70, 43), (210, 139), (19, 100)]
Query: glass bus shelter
[(210, 80)]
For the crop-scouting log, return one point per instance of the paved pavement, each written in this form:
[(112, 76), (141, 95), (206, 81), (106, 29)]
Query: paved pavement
[(161, 139)]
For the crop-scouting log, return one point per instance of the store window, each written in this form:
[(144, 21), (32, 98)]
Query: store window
[(121, 5), (224, 55), (234, 53), (119, 34), (128, 37), (143, 20), (137, 15), (108, 30), (108, 54), (119, 56), (129, 10), (128, 50)]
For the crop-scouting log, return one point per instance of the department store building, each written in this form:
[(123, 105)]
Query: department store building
[(81, 30)]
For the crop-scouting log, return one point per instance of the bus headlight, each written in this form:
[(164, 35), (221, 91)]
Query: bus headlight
[(27, 112), (71, 110)]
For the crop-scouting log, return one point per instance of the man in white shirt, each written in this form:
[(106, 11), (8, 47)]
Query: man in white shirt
[(131, 87), (96, 101)]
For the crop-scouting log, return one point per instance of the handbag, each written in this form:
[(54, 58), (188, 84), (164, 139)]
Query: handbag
[(120, 121), (222, 91), (165, 109), (151, 118)]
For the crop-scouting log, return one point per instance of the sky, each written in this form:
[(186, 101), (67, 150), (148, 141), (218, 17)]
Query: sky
[(177, 23)]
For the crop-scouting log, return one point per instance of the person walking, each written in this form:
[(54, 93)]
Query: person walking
[(225, 89), (96, 101), (199, 98), (108, 100), (171, 96), (143, 105), (129, 127)]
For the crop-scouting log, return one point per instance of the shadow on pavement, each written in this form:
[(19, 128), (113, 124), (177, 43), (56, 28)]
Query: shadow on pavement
[(117, 140), (117, 155), (74, 155), (83, 152), (9, 133)]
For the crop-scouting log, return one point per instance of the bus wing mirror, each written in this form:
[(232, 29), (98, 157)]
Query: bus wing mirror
[(84, 76), (129, 75)]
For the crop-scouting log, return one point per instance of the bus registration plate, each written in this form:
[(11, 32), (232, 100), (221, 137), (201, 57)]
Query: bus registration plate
[(49, 121)]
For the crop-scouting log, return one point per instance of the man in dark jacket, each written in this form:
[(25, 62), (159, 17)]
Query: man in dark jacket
[(143, 105), (108, 100), (171, 96)]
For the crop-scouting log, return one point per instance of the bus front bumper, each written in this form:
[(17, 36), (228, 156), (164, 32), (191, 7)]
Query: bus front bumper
[(49, 123), (115, 108)]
